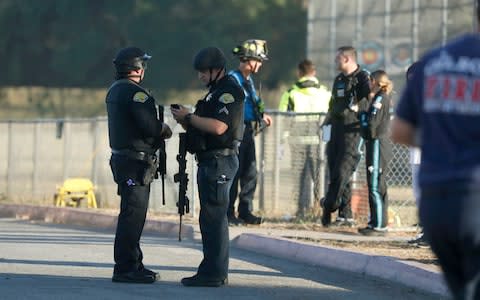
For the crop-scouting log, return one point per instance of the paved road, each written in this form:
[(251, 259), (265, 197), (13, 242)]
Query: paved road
[(45, 261)]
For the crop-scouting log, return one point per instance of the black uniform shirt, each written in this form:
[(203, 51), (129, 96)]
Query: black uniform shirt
[(379, 114), (346, 91), (376, 119), (132, 118), (224, 102)]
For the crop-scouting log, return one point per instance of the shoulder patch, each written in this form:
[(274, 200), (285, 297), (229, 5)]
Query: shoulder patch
[(226, 98), (140, 97)]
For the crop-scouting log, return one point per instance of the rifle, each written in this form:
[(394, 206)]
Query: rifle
[(162, 168), (183, 204), (162, 155)]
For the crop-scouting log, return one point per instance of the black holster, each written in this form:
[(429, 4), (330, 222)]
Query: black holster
[(138, 167)]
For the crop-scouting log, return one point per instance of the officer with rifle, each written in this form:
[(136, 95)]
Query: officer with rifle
[(213, 133), (136, 131)]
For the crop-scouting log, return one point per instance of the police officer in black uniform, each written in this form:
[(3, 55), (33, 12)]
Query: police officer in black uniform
[(136, 133), (214, 132)]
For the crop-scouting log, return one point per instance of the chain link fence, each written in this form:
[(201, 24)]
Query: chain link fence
[(387, 34), (37, 156), (284, 152)]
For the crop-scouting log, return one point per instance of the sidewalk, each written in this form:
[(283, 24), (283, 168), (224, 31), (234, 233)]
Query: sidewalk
[(265, 241)]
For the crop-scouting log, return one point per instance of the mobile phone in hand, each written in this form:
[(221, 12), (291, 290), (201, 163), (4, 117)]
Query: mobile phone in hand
[(176, 106)]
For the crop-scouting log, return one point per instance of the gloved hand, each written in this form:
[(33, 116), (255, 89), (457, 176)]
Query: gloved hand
[(166, 131)]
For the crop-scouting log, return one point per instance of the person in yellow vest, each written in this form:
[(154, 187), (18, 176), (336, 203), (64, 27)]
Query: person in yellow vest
[(306, 95)]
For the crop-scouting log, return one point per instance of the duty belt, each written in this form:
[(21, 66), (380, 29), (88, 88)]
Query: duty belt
[(205, 155), (138, 155)]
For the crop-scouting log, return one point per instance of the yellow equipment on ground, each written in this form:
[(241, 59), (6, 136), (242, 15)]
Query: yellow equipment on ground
[(73, 191)]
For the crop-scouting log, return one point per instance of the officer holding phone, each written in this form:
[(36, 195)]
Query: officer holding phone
[(214, 132)]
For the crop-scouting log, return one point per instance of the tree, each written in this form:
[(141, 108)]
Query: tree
[(72, 43)]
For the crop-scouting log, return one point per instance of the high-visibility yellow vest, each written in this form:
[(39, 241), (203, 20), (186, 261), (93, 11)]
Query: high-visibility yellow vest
[(306, 95)]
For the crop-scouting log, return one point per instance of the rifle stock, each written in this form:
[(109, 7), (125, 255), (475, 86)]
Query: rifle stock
[(183, 203)]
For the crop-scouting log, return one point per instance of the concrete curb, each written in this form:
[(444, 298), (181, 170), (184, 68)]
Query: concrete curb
[(383, 267), (75, 216)]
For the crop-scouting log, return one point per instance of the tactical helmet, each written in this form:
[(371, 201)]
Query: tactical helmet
[(209, 58), (252, 49), (130, 59)]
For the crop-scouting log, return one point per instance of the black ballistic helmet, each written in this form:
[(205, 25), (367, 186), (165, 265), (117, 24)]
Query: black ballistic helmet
[(209, 58), (130, 59)]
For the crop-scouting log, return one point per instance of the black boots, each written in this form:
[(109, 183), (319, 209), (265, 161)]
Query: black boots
[(135, 277), (251, 219), (197, 280)]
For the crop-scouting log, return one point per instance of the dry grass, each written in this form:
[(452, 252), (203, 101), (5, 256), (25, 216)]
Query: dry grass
[(42, 102)]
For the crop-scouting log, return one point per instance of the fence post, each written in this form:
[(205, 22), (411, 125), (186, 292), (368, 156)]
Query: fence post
[(322, 162), (415, 23), (36, 157), (276, 163), (333, 34), (66, 148), (94, 172), (386, 35), (261, 202), (10, 167)]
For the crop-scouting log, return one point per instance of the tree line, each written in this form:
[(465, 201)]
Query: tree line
[(58, 43)]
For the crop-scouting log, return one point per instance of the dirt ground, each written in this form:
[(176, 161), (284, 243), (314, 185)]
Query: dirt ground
[(398, 249)]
